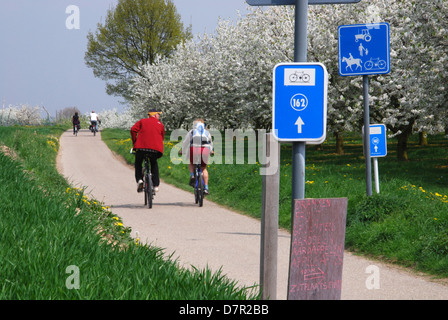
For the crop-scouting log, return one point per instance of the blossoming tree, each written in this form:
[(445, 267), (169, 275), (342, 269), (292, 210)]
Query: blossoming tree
[(226, 77)]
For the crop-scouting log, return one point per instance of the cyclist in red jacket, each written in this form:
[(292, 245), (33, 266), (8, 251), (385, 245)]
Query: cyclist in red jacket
[(147, 137)]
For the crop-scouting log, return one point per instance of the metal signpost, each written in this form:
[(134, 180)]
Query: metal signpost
[(364, 50), (300, 55)]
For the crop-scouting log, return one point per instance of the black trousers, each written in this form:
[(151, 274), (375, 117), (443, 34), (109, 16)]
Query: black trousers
[(153, 156)]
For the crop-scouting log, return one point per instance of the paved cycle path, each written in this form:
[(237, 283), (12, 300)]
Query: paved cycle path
[(211, 236)]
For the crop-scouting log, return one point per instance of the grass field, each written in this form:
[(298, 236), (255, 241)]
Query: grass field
[(406, 223), (56, 243)]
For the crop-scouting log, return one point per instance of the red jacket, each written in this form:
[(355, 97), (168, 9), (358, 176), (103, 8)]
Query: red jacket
[(148, 133)]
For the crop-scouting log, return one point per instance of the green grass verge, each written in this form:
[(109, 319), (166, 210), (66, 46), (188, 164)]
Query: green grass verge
[(58, 244), (406, 223)]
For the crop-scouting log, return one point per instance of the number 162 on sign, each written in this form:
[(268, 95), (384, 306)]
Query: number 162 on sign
[(299, 102)]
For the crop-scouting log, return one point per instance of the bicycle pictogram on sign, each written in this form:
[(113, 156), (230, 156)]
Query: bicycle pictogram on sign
[(364, 49)]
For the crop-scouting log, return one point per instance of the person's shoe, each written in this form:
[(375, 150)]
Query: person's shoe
[(140, 186), (156, 189), (206, 192), (191, 181)]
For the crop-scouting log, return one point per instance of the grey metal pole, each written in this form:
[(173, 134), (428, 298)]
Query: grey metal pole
[(298, 148), (376, 175), (365, 87), (300, 55)]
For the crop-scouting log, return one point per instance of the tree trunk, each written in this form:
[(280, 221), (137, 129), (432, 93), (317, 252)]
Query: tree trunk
[(423, 141), (402, 145), (339, 142)]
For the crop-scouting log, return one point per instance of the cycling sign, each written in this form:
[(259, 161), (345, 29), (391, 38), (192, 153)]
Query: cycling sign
[(364, 49), (300, 102)]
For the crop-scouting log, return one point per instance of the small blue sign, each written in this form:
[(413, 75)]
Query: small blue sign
[(364, 49), (300, 102), (378, 144)]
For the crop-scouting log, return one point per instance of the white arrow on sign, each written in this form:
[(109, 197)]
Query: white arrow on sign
[(299, 123)]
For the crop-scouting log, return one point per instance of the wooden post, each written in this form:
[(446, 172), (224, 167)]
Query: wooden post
[(269, 218), (317, 249)]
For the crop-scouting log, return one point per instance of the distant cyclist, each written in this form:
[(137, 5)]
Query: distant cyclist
[(76, 122), (147, 138), (200, 144), (94, 120)]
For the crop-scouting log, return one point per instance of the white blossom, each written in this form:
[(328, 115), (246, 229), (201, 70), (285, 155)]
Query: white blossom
[(22, 114), (226, 77)]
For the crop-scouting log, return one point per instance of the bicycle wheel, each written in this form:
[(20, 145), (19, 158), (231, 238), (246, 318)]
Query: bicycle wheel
[(148, 190), (196, 195), (368, 65), (195, 186), (200, 189)]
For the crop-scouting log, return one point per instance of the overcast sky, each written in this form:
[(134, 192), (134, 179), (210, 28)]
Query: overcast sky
[(42, 60)]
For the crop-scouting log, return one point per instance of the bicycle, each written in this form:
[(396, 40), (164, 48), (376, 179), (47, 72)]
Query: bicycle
[(93, 128), (375, 64), (148, 186), (199, 185), (76, 129)]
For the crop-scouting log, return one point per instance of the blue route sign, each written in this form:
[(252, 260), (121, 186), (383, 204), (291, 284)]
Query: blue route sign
[(364, 49), (378, 143), (300, 102), (293, 2)]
